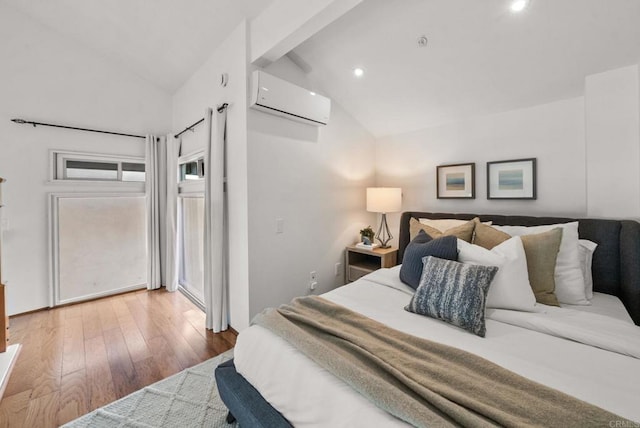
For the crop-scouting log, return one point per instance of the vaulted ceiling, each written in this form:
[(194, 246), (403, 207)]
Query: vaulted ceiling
[(480, 57), (163, 41)]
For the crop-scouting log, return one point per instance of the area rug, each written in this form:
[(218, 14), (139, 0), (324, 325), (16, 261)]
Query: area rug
[(187, 399)]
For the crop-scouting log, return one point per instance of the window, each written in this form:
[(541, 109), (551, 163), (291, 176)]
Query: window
[(87, 170), (95, 167), (133, 171), (191, 225), (100, 244), (189, 171), (192, 246), (191, 167)]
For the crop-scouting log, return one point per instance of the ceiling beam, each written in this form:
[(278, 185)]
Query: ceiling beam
[(287, 23)]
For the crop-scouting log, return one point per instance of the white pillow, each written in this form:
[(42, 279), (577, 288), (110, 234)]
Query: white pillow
[(570, 284), (586, 249), (510, 288), (445, 224)]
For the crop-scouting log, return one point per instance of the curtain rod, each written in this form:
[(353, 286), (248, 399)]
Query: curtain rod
[(188, 128), (220, 108), (28, 122)]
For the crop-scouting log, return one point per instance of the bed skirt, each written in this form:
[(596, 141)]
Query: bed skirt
[(244, 402)]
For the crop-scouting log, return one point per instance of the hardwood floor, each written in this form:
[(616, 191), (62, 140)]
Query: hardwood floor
[(78, 358)]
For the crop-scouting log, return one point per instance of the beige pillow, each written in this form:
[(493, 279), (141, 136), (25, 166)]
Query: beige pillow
[(568, 276), (488, 237), (464, 231), (444, 224), (542, 251)]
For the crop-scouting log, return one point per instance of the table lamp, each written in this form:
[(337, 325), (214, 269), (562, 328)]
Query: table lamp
[(384, 200)]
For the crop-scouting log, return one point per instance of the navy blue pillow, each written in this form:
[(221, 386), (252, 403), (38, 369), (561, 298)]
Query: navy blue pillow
[(421, 246)]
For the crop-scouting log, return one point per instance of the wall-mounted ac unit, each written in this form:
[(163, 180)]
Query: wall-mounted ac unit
[(276, 96)]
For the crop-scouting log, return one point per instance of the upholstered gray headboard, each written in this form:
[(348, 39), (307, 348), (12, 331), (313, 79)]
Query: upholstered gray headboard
[(616, 261)]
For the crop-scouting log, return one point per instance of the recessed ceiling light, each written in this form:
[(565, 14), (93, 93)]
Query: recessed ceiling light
[(519, 5), (358, 72)]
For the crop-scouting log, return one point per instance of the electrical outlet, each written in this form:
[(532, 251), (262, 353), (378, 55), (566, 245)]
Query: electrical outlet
[(313, 280), (338, 269), (279, 225)]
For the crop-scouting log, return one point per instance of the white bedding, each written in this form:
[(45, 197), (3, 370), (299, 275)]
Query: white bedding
[(604, 304), (307, 395)]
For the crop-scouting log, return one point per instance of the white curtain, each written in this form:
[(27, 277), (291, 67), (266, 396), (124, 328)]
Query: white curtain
[(162, 199), (154, 173), (171, 266), (215, 222)]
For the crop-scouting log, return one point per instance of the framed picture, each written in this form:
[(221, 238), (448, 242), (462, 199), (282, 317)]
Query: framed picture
[(456, 181), (511, 179)]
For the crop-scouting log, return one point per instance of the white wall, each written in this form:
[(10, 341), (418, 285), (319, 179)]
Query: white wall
[(202, 90), (613, 143), (552, 133), (46, 77), (313, 178), (588, 152)]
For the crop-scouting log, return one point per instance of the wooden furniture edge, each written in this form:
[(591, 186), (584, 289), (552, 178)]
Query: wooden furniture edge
[(374, 251)]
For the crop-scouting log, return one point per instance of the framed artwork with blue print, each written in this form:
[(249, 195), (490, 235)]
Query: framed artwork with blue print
[(456, 181), (511, 179)]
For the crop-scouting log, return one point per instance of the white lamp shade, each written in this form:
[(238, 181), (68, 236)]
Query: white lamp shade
[(384, 199)]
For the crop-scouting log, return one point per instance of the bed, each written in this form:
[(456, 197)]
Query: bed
[(271, 383)]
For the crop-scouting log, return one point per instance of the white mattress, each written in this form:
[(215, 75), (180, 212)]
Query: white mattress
[(309, 396)]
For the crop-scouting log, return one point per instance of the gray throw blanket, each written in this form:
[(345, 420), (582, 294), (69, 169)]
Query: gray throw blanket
[(419, 381)]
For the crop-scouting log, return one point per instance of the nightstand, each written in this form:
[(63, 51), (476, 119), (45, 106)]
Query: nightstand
[(359, 262)]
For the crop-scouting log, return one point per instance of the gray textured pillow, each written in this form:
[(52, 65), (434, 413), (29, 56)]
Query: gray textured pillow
[(453, 292), (422, 245)]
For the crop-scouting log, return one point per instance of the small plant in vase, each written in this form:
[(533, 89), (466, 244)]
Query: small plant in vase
[(366, 235)]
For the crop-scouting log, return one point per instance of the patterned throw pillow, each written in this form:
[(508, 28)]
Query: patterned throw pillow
[(422, 246), (453, 292)]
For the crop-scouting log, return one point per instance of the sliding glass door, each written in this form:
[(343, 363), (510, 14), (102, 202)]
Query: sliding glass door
[(192, 246)]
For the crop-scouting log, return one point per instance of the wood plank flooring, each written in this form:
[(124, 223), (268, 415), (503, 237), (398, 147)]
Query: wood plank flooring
[(78, 358)]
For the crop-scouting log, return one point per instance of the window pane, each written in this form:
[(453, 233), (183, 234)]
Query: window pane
[(133, 171), (86, 170), (189, 171), (192, 257), (103, 245)]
